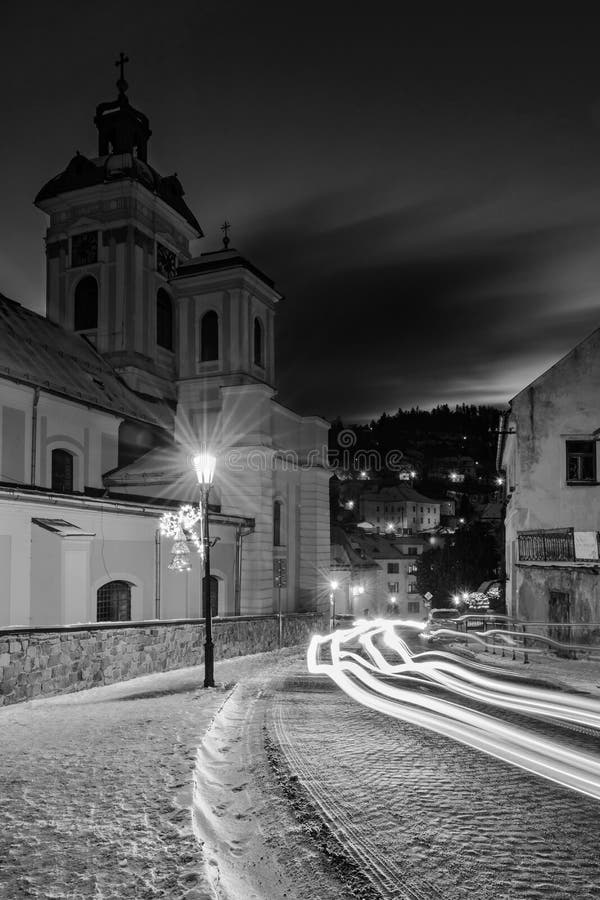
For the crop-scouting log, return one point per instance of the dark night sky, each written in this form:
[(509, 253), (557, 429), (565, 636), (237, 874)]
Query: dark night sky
[(424, 187)]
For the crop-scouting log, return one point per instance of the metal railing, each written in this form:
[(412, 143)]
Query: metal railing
[(504, 635), (557, 544)]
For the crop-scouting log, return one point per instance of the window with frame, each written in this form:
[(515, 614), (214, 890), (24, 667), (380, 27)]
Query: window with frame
[(209, 337), (85, 304), (113, 602), (393, 587), (164, 320), (412, 587), (393, 568), (62, 471), (413, 606), (581, 461)]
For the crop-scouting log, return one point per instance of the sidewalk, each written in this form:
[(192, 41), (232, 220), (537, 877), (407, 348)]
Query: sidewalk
[(97, 785)]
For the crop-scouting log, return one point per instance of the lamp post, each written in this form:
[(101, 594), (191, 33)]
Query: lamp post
[(333, 586), (204, 463)]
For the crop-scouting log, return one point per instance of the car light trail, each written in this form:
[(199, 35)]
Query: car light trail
[(362, 679)]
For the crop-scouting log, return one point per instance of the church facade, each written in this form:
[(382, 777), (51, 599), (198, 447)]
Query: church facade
[(146, 353)]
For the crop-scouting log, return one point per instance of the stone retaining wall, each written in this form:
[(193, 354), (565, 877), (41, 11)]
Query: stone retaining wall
[(41, 662)]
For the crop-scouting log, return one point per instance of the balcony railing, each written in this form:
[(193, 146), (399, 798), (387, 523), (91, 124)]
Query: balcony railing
[(547, 545)]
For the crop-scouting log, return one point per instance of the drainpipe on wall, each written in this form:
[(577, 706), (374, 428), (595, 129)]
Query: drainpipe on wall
[(157, 574), (36, 400), (237, 592)]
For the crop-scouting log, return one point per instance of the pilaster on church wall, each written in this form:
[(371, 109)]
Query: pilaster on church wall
[(314, 537), (15, 562), (246, 488)]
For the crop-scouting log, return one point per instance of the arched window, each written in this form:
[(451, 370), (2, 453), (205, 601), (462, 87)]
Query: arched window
[(214, 597), (258, 343), (209, 337), (113, 602), (62, 471), (277, 523), (85, 305), (164, 320)]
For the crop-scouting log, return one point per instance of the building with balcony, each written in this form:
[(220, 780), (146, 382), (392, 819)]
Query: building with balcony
[(548, 453)]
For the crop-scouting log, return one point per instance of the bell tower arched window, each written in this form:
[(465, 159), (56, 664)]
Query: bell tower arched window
[(113, 602), (85, 304), (164, 320), (258, 343), (209, 337), (62, 471)]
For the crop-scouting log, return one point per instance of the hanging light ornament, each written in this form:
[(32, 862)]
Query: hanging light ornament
[(181, 526), (180, 554)]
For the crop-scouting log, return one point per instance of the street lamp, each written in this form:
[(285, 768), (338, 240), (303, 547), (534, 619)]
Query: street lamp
[(334, 585), (204, 463)]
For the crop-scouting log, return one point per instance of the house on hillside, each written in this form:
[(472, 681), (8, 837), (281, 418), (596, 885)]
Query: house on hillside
[(148, 350), (376, 572), (399, 509), (548, 453)]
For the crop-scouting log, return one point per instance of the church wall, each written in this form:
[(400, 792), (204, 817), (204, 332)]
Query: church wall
[(46, 578), (15, 433), (82, 431), (15, 554)]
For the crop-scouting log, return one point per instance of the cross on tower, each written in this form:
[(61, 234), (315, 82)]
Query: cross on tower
[(225, 229), (121, 83)]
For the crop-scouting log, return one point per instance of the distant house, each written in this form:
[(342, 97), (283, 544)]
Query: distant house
[(376, 573), (399, 509), (548, 451)]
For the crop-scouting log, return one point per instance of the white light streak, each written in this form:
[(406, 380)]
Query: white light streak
[(354, 660)]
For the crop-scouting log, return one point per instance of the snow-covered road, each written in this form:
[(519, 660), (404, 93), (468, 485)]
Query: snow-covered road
[(98, 788)]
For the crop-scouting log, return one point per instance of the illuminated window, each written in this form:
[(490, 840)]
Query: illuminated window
[(209, 337), (164, 320), (581, 461), (412, 587), (113, 602), (85, 304), (258, 343), (62, 471), (393, 587)]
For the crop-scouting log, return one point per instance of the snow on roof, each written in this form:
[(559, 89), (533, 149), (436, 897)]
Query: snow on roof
[(36, 351)]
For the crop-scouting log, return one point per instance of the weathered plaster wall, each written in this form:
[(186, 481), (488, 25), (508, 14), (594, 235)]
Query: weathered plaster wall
[(535, 583), (39, 663)]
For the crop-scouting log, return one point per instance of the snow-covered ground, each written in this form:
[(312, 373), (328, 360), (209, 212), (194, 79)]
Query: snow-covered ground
[(156, 787)]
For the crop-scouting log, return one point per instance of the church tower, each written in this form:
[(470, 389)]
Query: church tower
[(118, 233)]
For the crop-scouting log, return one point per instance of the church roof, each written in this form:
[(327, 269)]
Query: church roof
[(83, 172), (37, 352), (218, 260)]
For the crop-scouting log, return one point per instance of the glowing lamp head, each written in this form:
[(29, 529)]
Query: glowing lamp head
[(363, 474), (499, 480), (334, 585), (456, 599), (204, 463)]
